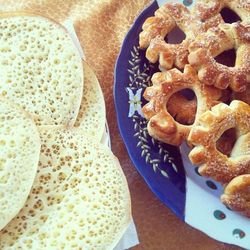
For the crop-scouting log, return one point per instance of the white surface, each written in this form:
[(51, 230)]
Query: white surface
[(106, 136), (130, 237)]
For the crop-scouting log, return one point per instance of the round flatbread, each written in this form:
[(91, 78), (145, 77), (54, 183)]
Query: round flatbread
[(92, 114), (19, 156), (40, 68), (79, 200)]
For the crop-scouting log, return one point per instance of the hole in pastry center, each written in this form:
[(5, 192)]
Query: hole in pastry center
[(229, 16), (226, 96), (182, 106), (227, 58), (226, 142), (188, 94), (175, 36)]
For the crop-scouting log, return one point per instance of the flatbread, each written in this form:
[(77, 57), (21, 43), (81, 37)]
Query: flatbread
[(79, 200), (92, 114), (40, 68), (19, 156)]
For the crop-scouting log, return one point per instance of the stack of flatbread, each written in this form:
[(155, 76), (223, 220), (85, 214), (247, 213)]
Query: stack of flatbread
[(60, 188)]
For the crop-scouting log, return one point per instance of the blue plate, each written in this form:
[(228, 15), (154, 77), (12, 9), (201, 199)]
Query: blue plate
[(193, 198), (159, 164)]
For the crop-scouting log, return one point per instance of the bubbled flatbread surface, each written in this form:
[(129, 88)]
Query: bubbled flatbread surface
[(92, 113), (79, 200), (40, 68), (19, 156)]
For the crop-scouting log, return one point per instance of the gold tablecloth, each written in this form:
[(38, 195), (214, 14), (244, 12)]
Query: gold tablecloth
[(101, 26)]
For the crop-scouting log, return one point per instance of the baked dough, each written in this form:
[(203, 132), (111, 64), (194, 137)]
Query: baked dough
[(209, 128), (209, 8), (168, 17), (182, 109), (237, 196), (162, 125), (212, 43), (41, 69)]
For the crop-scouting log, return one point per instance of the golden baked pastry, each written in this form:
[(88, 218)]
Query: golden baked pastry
[(209, 8), (220, 133), (168, 17), (162, 125), (212, 43), (206, 132), (182, 109), (237, 196)]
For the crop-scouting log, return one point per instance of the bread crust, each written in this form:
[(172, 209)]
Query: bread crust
[(168, 17), (236, 194), (209, 128), (162, 125), (212, 43), (209, 8)]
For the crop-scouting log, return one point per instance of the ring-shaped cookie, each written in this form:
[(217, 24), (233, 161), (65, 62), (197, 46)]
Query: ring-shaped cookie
[(161, 124), (209, 8), (168, 17), (209, 128), (237, 196), (212, 43)]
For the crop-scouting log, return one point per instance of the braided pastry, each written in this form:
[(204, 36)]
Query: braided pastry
[(208, 129), (212, 43), (209, 8), (162, 125), (237, 196), (166, 18)]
